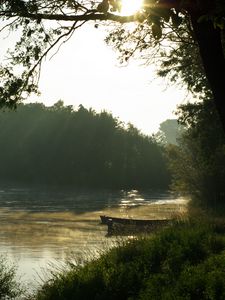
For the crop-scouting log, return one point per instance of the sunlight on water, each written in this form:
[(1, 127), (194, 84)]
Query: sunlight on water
[(40, 228)]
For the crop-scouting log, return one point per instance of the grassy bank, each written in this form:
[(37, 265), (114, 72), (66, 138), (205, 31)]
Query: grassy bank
[(185, 261)]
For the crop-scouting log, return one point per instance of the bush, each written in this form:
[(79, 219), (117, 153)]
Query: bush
[(177, 263), (204, 281), (9, 288)]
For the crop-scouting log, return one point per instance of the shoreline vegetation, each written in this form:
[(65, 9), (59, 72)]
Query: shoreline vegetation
[(183, 261), (60, 146)]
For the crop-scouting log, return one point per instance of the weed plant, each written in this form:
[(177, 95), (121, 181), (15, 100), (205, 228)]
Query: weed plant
[(9, 286)]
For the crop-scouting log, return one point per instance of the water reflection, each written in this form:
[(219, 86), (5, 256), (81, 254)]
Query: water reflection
[(38, 226)]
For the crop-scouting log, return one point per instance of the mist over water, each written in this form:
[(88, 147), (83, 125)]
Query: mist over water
[(41, 226)]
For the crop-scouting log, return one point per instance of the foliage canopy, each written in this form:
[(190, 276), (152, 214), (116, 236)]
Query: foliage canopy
[(60, 146), (45, 24), (198, 163)]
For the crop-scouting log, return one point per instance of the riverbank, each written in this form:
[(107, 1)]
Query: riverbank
[(40, 228), (185, 261)]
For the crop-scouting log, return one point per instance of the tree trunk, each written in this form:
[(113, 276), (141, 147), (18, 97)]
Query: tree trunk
[(211, 51)]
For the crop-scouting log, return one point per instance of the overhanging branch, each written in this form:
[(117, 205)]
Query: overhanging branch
[(88, 16)]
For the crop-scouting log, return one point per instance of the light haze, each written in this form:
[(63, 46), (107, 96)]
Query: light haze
[(86, 71)]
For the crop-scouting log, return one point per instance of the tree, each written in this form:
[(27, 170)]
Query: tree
[(198, 162), (41, 30), (80, 148), (169, 131)]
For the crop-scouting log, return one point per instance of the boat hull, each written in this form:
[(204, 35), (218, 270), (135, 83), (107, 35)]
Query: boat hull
[(124, 226)]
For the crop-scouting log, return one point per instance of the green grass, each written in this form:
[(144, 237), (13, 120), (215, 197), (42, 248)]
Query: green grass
[(185, 261)]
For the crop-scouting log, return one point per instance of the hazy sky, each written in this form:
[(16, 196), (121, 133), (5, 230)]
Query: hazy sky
[(86, 71)]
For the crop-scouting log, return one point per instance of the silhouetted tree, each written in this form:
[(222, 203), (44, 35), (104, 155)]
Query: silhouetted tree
[(58, 145), (169, 132), (198, 163), (199, 21)]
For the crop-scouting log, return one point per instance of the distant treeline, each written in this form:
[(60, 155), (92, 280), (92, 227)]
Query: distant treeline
[(60, 146)]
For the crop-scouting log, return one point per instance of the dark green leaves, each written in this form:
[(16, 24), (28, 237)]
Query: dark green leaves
[(77, 148), (37, 51), (156, 31), (176, 19), (29, 32)]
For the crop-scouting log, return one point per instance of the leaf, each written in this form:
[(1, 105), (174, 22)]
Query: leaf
[(30, 31), (156, 31), (176, 20), (140, 17), (166, 14), (203, 18), (37, 51), (154, 19), (161, 12), (27, 59), (47, 38), (103, 6)]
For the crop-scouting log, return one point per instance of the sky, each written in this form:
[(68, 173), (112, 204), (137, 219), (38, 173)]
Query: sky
[(86, 71)]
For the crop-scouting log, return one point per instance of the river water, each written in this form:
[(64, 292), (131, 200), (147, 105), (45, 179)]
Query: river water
[(41, 228)]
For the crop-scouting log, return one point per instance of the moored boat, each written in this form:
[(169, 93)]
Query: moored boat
[(126, 221)]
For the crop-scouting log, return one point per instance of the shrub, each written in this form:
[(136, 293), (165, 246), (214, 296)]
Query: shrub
[(9, 287), (178, 263)]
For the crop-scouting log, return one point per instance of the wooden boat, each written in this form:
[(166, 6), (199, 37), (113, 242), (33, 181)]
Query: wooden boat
[(121, 226), (125, 221), (106, 219)]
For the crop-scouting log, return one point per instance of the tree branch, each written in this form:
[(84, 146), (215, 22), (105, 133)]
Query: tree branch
[(88, 16)]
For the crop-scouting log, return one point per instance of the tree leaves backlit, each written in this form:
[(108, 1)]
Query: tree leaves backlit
[(44, 25)]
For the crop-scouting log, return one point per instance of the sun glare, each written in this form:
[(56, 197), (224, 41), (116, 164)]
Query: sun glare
[(130, 7)]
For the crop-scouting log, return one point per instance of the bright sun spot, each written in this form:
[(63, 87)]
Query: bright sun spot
[(130, 7)]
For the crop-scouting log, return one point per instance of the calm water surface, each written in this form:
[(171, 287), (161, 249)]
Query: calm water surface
[(42, 227)]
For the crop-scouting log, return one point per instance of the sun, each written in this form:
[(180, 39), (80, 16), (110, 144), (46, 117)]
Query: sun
[(130, 7)]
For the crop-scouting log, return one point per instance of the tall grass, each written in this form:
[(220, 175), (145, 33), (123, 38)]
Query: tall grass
[(185, 261), (9, 286)]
